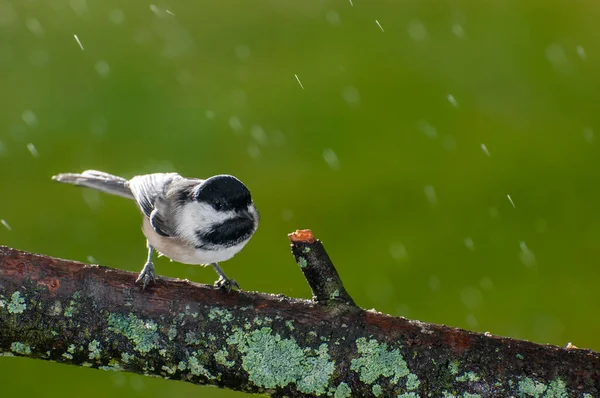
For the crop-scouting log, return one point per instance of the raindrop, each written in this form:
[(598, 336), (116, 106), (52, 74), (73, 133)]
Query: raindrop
[(351, 3), (184, 76), (469, 243), (417, 31), (485, 150), (102, 68), (155, 10), (458, 31), (35, 27), (471, 297), (398, 251), (511, 201), (116, 16), (6, 224), (254, 151), (92, 260), (555, 54), (449, 143), (78, 42), (378, 24), (235, 124), (526, 256), (33, 150), (239, 97), (29, 118), (588, 134), (209, 114), (430, 194), (471, 321), (98, 125), (39, 57), (170, 12), (581, 53), (331, 159), (259, 135), (299, 82), (7, 14), (287, 214), (351, 95), (333, 17), (79, 6), (486, 283), (452, 100), (429, 130), (242, 51), (434, 283)]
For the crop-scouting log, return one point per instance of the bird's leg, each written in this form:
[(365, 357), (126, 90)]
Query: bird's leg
[(147, 274), (224, 282)]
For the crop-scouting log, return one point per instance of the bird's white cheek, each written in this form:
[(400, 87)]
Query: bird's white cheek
[(196, 216)]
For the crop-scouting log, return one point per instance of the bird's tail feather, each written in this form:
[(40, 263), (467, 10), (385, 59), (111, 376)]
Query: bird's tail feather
[(97, 180)]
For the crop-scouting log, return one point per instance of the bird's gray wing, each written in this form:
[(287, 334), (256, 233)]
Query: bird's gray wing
[(149, 192)]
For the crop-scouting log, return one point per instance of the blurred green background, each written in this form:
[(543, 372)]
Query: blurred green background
[(415, 122)]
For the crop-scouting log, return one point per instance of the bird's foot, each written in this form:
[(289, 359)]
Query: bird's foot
[(147, 275), (227, 284)]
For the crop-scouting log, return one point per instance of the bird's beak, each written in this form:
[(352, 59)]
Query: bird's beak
[(246, 214)]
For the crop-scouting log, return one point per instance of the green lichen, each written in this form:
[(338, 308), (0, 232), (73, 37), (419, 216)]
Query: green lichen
[(469, 395), (71, 349), (376, 390), (125, 357), (453, 368), (412, 382), (376, 360), (72, 309), (409, 395), (519, 356), (169, 369), (306, 250), (20, 348), (468, 376), (342, 391), (94, 349), (182, 365), (113, 365), (66, 355), (196, 368), (221, 358), (17, 303), (302, 262), (290, 325), (223, 315), (275, 362), (531, 388), (586, 395), (191, 339), (172, 332), (335, 294), (142, 334), (2, 302)]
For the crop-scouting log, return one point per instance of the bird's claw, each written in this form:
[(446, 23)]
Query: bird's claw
[(146, 276), (227, 284)]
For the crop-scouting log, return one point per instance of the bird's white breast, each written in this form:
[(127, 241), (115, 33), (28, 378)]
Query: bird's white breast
[(183, 252)]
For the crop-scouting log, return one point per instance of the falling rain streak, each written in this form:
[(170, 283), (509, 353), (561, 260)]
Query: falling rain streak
[(485, 150), (33, 150), (511, 201), (378, 24), (299, 82), (78, 42), (6, 225)]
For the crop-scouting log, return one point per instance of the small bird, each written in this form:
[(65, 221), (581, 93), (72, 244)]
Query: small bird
[(189, 220)]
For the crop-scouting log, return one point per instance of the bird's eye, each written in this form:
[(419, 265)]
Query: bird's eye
[(218, 205)]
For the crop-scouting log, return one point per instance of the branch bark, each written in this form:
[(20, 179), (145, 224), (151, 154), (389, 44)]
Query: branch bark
[(87, 315)]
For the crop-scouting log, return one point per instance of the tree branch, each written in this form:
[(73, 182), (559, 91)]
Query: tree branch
[(93, 316)]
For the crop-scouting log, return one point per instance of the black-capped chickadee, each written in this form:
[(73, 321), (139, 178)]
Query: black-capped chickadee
[(189, 220)]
